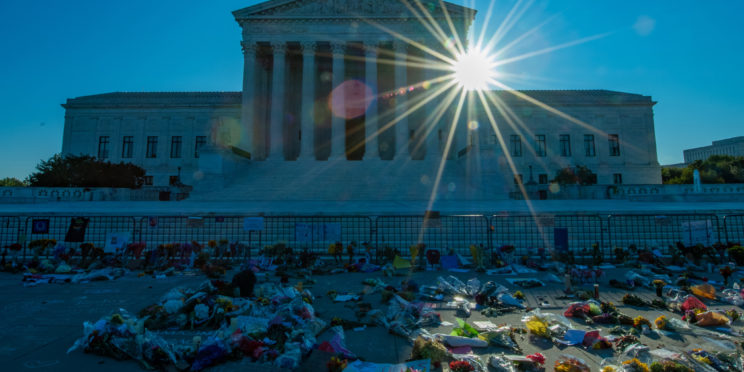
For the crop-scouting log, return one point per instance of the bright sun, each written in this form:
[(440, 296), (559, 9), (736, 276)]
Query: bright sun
[(473, 70)]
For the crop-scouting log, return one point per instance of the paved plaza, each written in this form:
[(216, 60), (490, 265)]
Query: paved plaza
[(40, 323)]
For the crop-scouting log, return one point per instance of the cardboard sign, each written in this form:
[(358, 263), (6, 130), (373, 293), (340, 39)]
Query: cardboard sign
[(253, 224), (116, 242)]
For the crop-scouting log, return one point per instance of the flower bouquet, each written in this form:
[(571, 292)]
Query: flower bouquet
[(136, 249), (461, 366), (635, 365), (537, 358), (337, 364), (640, 321), (633, 300), (670, 366), (568, 363), (659, 285), (726, 273), (661, 323)]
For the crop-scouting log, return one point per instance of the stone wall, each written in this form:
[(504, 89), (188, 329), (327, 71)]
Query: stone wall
[(53, 194), (708, 192)]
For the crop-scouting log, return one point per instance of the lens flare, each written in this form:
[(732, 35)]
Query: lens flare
[(474, 69)]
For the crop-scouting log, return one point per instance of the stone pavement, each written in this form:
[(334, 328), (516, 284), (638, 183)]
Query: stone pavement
[(38, 324)]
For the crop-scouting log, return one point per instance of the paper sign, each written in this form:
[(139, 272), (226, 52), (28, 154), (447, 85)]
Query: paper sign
[(116, 241), (448, 262), (195, 222), (332, 232), (253, 224), (697, 232), (303, 232), (40, 226)]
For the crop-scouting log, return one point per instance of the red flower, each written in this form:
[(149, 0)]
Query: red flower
[(537, 358), (461, 366)]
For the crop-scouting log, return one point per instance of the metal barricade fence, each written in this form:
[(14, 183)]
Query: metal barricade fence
[(57, 228), (662, 231), (316, 233), (442, 233), (180, 230), (529, 233), (733, 226), (10, 228)]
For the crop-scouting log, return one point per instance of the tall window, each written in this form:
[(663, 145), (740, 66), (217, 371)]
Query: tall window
[(589, 145), (614, 144), (565, 145), (148, 180), (542, 179), (516, 145), (176, 142), (127, 147), (518, 179), (198, 144), (103, 147), (617, 178), (152, 147), (540, 145)]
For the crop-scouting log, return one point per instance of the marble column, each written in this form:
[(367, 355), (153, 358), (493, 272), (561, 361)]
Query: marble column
[(338, 121), (401, 86), (371, 149), (276, 138), (307, 121), (248, 105), (432, 126)]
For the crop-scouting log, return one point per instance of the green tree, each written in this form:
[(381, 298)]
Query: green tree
[(85, 171), (715, 169), (11, 182), (580, 175)]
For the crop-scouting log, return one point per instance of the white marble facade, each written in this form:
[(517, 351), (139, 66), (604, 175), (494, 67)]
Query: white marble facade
[(308, 142)]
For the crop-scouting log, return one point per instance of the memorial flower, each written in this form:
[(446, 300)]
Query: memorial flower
[(461, 366), (570, 364), (635, 365), (640, 321), (661, 322), (669, 366), (537, 358), (633, 300), (337, 364), (726, 273)]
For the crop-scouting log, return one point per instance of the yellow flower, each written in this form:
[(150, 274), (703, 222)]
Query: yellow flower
[(661, 322), (636, 365)]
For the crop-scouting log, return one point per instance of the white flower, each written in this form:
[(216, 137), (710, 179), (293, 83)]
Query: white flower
[(201, 312), (172, 306)]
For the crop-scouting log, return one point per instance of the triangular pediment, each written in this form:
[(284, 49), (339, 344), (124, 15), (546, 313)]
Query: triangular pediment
[(277, 9)]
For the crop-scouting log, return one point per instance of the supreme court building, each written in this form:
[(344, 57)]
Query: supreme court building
[(334, 107)]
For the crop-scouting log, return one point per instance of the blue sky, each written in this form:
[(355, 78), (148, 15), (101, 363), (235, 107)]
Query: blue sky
[(687, 55)]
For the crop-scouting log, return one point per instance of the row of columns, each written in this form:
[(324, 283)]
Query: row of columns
[(338, 123)]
